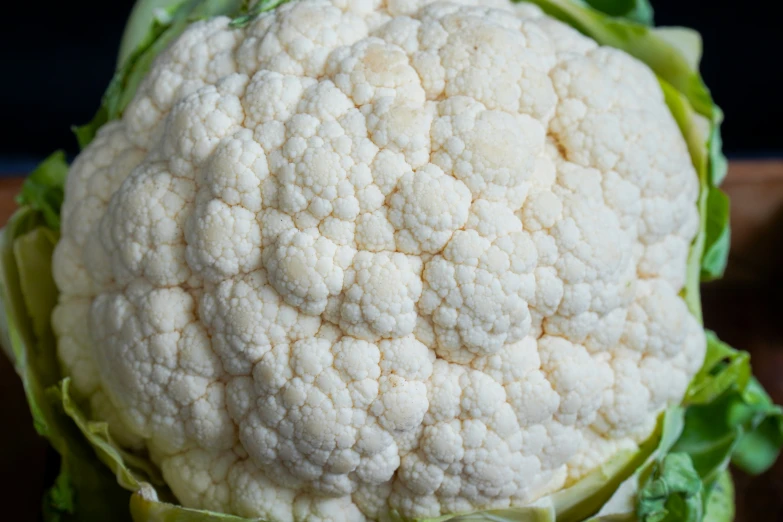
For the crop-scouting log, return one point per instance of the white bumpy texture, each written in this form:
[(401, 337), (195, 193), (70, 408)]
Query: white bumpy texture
[(363, 256)]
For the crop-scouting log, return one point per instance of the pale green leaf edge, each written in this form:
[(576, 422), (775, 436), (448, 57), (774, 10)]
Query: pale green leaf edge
[(143, 15)]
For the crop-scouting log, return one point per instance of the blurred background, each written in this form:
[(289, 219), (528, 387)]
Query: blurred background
[(57, 58)]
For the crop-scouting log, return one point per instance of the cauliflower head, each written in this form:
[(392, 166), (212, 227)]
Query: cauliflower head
[(366, 256)]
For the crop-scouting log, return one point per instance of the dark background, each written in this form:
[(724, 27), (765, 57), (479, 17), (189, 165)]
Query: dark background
[(57, 57)]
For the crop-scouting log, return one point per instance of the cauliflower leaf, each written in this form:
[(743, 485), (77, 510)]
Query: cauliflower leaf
[(634, 10), (85, 490), (43, 188), (720, 504), (674, 492), (143, 14), (250, 12)]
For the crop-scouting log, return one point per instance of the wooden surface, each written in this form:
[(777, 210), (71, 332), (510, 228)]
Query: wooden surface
[(744, 309)]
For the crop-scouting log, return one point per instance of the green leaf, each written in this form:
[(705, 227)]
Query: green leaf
[(720, 504), (33, 256), (688, 121), (639, 11), (143, 16), (251, 13), (621, 507), (43, 188), (589, 494), (762, 437), (709, 437), (33, 360), (758, 449), (144, 509), (718, 235), (723, 368), (58, 501), (85, 490), (686, 41), (737, 427), (674, 493), (730, 416), (131, 470), (719, 165)]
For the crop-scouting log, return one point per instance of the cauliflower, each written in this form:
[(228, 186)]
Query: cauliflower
[(362, 261), (358, 257)]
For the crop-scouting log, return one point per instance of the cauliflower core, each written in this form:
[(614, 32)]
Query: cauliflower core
[(364, 256)]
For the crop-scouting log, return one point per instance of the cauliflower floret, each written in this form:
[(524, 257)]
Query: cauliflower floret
[(246, 318), (381, 292), (201, 476), (73, 344), (201, 56), (477, 292), (306, 269), (157, 367), (143, 229), (492, 151), (364, 256), (428, 207), (349, 401)]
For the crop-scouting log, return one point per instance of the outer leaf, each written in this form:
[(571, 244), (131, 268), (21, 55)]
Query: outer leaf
[(762, 438), (718, 162), (251, 13), (720, 505), (149, 510), (541, 511), (587, 496), (709, 438), (639, 11), (131, 471), (718, 235), (58, 502), (696, 138), (33, 256), (674, 494), (35, 364), (742, 425), (723, 368), (84, 491), (621, 507), (144, 15), (43, 188), (687, 41), (757, 450)]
